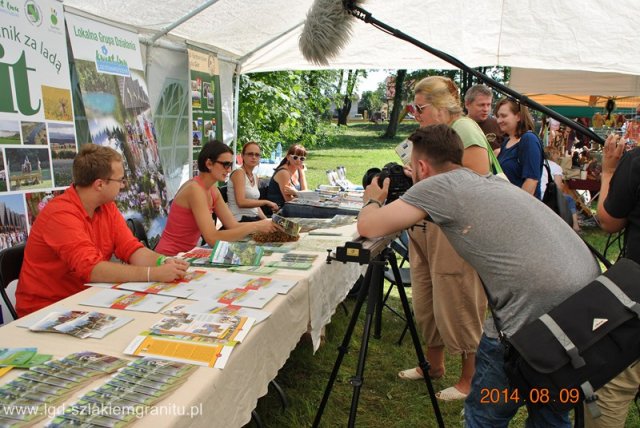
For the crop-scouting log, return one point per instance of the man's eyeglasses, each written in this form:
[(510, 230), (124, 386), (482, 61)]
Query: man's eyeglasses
[(296, 157), (418, 108), (253, 155), (122, 180), (225, 165)]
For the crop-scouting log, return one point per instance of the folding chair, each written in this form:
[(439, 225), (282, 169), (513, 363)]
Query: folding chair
[(10, 264)]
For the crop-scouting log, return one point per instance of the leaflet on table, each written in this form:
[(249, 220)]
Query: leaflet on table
[(404, 151), (236, 254), (218, 282), (181, 288), (128, 300), (77, 323), (217, 326), (247, 298), (214, 307), (203, 354), (253, 270), (290, 265), (290, 227), (21, 357)]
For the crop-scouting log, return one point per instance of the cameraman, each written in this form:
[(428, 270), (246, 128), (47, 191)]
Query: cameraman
[(480, 215)]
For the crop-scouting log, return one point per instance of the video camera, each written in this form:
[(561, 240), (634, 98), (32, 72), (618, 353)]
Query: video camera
[(399, 182)]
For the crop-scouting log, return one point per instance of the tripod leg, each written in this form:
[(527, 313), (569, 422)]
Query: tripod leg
[(373, 303), (379, 294), (423, 363), (344, 347)]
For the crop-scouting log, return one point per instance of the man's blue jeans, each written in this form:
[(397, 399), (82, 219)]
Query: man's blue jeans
[(487, 405)]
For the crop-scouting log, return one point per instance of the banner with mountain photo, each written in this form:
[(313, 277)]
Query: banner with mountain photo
[(114, 94)]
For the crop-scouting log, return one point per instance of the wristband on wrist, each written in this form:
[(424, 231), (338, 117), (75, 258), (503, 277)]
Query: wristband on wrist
[(161, 260), (373, 201), (148, 273)]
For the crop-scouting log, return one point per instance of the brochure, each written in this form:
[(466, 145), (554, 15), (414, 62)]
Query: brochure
[(214, 307), (290, 265), (79, 323), (154, 365), (22, 357), (253, 270), (404, 151), (181, 288), (128, 300), (203, 354), (236, 254), (224, 328), (197, 256), (22, 410), (289, 227), (95, 361)]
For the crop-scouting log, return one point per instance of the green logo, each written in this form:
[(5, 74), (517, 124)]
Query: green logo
[(34, 14), (54, 17)]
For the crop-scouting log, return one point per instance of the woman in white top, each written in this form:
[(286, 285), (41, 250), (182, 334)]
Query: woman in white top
[(242, 190)]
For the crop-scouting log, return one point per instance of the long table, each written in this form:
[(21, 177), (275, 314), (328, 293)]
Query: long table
[(218, 398)]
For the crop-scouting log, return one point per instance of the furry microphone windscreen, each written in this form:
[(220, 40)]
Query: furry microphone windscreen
[(326, 31)]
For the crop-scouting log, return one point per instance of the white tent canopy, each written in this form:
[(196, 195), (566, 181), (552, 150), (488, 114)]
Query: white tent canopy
[(262, 35)]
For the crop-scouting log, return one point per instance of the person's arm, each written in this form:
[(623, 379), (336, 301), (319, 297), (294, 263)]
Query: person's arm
[(239, 181), (143, 267), (612, 152), (476, 158), (530, 185), (283, 178), (302, 179), (530, 157), (233, 229), (376, 220)]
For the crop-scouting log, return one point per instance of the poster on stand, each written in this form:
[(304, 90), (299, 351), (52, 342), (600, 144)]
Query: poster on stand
[(206, 123), (37, 137), (108, 63)]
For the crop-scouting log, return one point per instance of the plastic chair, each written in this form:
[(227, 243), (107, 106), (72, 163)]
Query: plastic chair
[(10, 264), (401, 247), (138, 231)]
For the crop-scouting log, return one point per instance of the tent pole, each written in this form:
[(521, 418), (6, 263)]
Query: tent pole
[(182, 20), (236, 105)]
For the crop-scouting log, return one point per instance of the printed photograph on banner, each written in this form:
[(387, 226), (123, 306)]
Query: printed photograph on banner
[(119, 115), (208, 94), (28, 168), (57, 104), (210, 129), (196, 95), (9, 132), (36, 202), (62, 140), (13, 222), (34, 133), (197, 138), (3, 173)]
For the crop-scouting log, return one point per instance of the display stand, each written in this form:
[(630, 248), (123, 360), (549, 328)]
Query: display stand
[(376, 256)]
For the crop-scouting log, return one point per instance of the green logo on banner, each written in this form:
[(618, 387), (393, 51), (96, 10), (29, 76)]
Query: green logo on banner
[(34, 14)]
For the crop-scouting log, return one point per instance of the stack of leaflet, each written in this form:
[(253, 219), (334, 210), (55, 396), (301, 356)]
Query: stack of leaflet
[(24, 400), (225, 254), (202, 339), (80, 324), (21, 358), (127, 396)]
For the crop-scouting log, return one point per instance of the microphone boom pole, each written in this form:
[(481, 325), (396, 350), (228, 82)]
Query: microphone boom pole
[(366, 16)]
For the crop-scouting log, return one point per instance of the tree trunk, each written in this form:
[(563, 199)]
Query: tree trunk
[(343, 112), (392, 128)]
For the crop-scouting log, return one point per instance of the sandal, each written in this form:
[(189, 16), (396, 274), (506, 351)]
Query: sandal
[(413, 374), (451, 394)]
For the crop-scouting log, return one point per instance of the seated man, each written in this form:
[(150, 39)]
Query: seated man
[(76, 234), (529, 259)]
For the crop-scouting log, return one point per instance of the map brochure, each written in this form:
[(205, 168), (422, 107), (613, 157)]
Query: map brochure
[(79, 323), (236, 254), (290, 227)]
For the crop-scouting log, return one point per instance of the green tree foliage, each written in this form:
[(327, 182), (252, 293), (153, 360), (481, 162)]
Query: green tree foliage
[(286, 106), (372, 100)]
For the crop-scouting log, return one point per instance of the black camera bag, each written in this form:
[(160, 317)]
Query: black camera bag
[(582, 343)]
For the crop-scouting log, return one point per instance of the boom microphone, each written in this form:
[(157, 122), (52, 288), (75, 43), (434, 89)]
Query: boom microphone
[(327, 30)]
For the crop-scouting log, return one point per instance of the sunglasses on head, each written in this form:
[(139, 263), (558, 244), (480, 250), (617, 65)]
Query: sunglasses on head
[(225, 165), (296, 157)]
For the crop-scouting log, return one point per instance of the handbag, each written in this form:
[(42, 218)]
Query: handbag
[(564, 356), (494, 164)]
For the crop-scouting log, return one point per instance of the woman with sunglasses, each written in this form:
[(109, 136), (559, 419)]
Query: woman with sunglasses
[(288, 178), (242, 190), (448, 300), (191, 211), (521, 152)]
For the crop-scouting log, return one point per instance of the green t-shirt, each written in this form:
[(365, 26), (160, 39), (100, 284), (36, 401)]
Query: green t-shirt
[(470, 132)]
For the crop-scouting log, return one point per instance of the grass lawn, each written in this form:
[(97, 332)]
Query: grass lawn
[(385, 400)]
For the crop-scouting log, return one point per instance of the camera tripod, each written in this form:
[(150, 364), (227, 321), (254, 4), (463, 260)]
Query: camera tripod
[(371, 290)]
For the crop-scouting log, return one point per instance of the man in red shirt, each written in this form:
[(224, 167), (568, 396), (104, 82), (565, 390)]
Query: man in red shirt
[(75, 236)]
